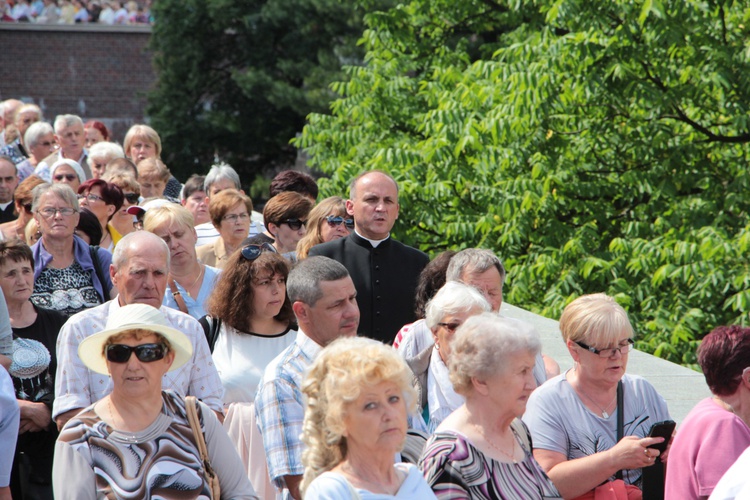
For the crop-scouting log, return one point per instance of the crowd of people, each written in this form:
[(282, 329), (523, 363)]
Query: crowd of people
[(107, 12), (165, 340)]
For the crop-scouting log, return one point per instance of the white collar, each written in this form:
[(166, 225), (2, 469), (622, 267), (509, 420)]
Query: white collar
[(374, 243)]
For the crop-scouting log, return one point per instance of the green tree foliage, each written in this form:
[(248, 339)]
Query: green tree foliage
[(236, 78), (595, 146)]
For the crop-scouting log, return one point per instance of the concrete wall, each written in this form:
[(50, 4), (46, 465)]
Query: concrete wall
[(97, 72)]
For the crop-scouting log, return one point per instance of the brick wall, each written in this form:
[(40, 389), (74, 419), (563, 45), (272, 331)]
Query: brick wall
[(97, 72)]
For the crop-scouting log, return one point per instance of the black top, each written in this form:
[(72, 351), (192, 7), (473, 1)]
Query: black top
[(40, 446), (7, 214), (385, 278)]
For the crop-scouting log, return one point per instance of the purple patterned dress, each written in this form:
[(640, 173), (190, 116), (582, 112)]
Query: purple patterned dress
[(455, 469)]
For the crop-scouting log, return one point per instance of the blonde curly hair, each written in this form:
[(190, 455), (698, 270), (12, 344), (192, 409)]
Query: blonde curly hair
[(336, 380)]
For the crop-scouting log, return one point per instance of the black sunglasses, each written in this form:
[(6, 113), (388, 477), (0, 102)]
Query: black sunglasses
[(335, 220), (68, 177), (131, 197), (146, 353), (252, 252), (27, 207), (294, 224)]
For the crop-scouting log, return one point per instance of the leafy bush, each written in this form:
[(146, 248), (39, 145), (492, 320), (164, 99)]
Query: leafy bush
[(595, 146)]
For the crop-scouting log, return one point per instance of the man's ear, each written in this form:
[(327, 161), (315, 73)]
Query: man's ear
[(300, 310), (350, 207)]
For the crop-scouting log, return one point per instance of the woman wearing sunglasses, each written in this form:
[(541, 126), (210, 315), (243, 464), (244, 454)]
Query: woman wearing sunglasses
[(122, 222), (327, 221), (103, 200), (285, 217), (68, 172), (136, 442), (250, 323)]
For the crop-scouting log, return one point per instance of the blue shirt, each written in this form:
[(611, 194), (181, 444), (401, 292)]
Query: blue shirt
[(280, 409), (195, 306)]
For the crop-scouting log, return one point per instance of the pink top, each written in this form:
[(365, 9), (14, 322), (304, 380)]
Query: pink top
[(706, 445)]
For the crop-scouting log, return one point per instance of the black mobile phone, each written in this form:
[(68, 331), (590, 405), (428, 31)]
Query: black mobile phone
[(662, 429)]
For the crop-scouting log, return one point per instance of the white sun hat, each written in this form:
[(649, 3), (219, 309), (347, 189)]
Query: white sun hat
[(134, 317)]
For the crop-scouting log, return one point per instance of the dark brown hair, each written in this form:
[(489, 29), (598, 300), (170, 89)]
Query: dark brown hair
[(236, 280), (17, 251)]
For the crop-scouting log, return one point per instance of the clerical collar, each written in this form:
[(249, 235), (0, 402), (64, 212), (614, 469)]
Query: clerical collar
[(374, 243)]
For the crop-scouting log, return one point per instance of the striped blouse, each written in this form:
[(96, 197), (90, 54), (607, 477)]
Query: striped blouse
[(455, 469)]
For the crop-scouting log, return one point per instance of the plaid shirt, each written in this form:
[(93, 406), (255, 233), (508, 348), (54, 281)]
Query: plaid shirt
[(280, 409)]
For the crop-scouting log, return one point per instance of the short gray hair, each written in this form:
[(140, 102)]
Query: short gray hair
[(304, 280), (65, 121), (62, 191), (484, 344), (26, 108), (122, 250), (454, 298), (108, 150), (219, 172), (35, 132), (473, 260)]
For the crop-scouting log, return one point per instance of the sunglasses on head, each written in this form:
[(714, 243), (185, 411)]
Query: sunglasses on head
[(68, 177), (294, 224), (252, 252), (335, 220), (146, 353), (131, 197)]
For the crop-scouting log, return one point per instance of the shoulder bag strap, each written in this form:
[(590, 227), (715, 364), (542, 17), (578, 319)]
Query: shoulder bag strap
[(94, 252), (191, 409), (620, 418), (177, 294)]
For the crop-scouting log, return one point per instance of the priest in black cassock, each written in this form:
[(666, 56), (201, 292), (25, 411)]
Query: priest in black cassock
[(384, 271)]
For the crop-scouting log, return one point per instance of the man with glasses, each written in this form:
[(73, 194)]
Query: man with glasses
[(140, 265), (384, 271)]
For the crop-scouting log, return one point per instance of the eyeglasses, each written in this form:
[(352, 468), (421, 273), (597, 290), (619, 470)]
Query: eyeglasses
[(131, 197), (50, 212), (451, 327), (146, 353), (91, 198), (334, 220), (235, 217), (609, 352), (294, 224), (252, 252), (68, 177)]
